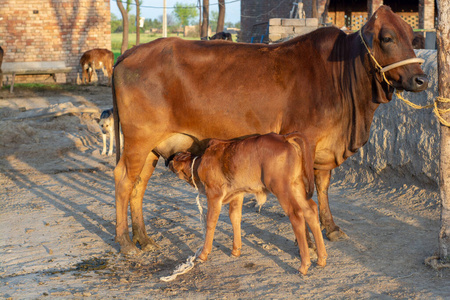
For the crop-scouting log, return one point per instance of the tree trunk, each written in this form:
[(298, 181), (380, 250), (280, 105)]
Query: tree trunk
[(138, 22), (443, 38), (221, 18), (205, 22), (125, 27)]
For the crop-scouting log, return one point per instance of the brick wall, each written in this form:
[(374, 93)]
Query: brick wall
[(53, 30)]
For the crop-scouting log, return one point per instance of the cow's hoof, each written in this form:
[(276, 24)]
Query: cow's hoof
[(130, 250), (147, 243), (150, 247), (337, 235)]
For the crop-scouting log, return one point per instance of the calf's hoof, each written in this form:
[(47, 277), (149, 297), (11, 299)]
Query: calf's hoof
[(337, 235), (203, 257), (304, 269), (236, 252), (322, 262)]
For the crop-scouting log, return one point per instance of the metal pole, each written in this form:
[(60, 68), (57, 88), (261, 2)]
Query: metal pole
[(164, 19)]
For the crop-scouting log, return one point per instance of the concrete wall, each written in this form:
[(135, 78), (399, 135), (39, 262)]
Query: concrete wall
[(53, 30), (404, 142)]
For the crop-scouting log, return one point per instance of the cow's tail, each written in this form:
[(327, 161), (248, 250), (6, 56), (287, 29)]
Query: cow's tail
[(304, 150), (116, 119)]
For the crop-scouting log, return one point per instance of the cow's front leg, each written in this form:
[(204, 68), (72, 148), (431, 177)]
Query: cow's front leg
[(322, 180)]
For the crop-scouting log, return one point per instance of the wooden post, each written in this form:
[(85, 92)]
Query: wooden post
[(221, 18), (443, 38), (205, 22)]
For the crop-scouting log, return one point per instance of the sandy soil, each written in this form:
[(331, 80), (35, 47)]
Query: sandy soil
[(57, 221)]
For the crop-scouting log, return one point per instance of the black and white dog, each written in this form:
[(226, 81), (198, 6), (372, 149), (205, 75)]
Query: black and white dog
[(106, 123)]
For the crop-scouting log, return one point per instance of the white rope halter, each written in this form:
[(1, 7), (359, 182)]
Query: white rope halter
[(190, 262)]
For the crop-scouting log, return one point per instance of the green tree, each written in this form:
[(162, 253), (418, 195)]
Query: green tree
[(213, 19), (185, 13), (116, 24)]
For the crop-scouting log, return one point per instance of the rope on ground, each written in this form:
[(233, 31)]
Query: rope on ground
[(437, 111), (435, 263), (190, 262)]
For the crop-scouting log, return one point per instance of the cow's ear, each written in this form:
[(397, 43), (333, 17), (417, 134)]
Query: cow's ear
[(368, 34)]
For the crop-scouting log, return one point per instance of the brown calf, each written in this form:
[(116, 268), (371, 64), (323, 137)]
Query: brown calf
[(280, 164), (96, 59)]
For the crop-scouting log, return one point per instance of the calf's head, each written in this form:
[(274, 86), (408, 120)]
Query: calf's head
[(390, 40), (181, 166)]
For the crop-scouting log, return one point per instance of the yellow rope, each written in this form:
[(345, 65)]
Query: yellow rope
[(437, 111)]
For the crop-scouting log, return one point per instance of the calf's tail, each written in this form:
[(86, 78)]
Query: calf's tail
[(304, 150), (116, 119)]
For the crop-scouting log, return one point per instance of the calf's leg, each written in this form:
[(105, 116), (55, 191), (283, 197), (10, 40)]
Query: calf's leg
[(312, 218), (212, 216), (293, 211), (322, 180), (235, 213)]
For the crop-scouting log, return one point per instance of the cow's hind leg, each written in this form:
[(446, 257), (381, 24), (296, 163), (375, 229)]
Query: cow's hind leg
[(235, 213), (322, 180), (137, 218), (133, 169)]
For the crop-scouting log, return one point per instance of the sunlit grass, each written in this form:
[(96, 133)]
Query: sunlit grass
[(40, 87)]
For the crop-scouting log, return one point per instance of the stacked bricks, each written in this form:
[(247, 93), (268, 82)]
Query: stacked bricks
[(53, 30), (283, 28)]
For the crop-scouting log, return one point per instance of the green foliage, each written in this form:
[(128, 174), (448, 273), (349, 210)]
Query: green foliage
[(116, 24), (214, 16), (185, 13)]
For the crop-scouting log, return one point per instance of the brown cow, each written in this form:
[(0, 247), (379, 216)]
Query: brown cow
[(96, 59), (280, 164), (323, 84)]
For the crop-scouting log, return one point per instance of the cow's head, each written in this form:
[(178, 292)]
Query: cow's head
[(389, 39), (181, 166)]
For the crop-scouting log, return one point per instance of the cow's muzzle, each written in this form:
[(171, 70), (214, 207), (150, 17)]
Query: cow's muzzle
[(418, 83)]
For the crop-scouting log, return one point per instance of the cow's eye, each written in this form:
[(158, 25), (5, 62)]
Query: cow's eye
[(386, 39)]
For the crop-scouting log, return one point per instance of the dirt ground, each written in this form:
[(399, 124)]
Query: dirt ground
[(57, 218)]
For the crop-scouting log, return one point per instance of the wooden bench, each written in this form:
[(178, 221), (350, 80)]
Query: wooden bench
[(33, 68)]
